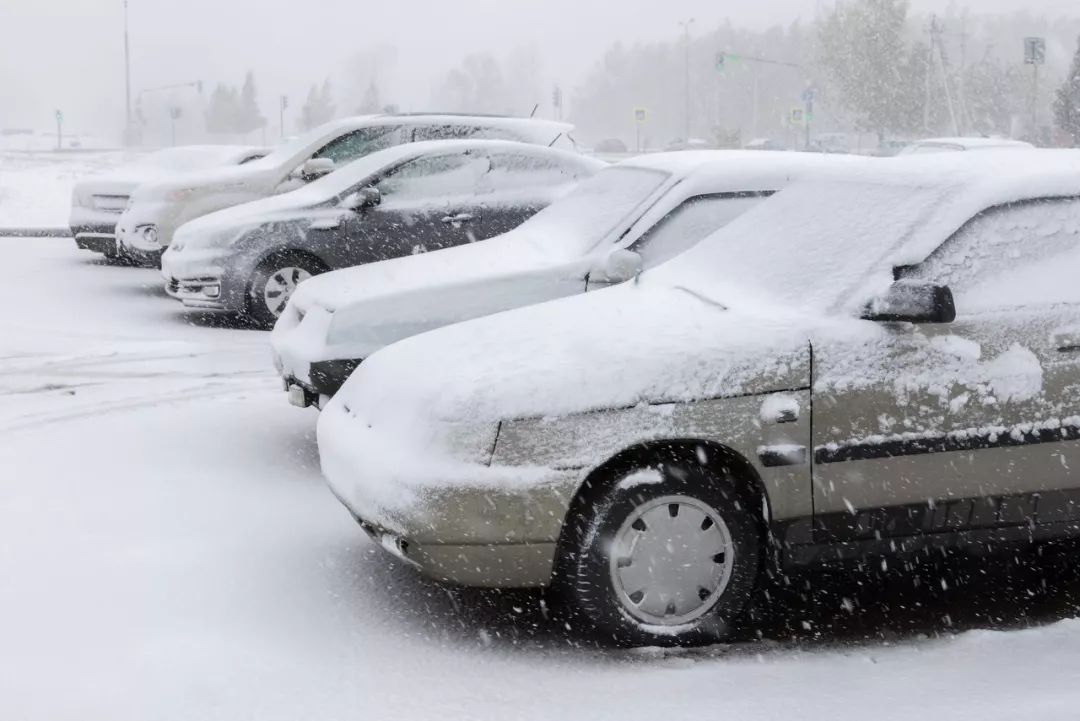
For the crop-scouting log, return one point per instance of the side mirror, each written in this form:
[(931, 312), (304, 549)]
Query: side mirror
[(620, 265), (362, 199), (316, 168), (913, 301)]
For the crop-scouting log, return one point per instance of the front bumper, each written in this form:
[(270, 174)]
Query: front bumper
[(94, 229), (95, 240), (325, 378), (204, 279), (458, 521)]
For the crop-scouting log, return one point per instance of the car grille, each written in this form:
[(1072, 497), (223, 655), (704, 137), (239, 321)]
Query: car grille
[(174, 285)]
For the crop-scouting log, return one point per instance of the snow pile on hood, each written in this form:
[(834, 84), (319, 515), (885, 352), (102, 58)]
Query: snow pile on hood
[(614, 348)]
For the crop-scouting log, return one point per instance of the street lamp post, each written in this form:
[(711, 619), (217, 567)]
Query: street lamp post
[(127, 80), (685, 24)]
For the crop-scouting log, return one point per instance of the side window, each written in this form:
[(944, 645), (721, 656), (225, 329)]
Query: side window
[(443, 131), (511, 171), (434, 177), (1011, 256), (690, 223), (359, 143)]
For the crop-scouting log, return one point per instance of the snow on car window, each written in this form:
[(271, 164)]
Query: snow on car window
[(434, 177), (510, 172), (575, 224), (1010, 256), (687, 224), (809, 245), (359, 142)]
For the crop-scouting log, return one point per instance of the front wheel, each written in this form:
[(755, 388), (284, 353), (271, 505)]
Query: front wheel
[(668, 557), (274, 282)]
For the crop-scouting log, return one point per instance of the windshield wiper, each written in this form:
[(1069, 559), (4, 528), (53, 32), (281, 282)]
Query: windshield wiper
[(703, 298)]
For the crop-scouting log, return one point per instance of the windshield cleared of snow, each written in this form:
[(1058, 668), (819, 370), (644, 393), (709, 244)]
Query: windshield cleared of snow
[(596, 208)]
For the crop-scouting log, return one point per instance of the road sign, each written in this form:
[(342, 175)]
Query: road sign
[(1035, 51), (797, 116), (640, 114)]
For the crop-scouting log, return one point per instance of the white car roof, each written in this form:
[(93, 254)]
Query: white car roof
[(869, 219), (974, 143)]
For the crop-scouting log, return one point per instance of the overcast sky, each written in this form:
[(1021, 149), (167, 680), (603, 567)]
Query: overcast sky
[(69, 53)]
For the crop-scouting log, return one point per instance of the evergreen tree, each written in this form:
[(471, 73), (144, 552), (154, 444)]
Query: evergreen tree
[(1067, 102), (863, 53), (223, 110), (248, 117), (318, 107), (370, 103)]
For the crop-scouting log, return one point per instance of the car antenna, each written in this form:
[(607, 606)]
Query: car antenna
[(535, 108)]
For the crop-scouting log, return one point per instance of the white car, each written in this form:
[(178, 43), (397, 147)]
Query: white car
[(871, 368), (945, 145), (157, 210), (96, 203), (629, 216)]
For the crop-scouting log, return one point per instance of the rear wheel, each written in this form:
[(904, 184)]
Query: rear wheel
[(274, 282), (669, 560)]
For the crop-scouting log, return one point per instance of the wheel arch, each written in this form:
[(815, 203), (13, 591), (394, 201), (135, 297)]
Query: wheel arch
[(709, 454)]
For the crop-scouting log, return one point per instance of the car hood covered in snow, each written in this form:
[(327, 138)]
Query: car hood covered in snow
[(630, 344), (164, 166)]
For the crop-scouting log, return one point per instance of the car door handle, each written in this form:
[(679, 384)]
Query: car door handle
[(459, 218), (1066, 340)]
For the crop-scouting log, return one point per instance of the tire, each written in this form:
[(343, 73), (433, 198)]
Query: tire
[(273, 283), (683, 527)]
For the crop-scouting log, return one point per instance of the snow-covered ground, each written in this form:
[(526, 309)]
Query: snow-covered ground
[(35, 188), (168, 550)]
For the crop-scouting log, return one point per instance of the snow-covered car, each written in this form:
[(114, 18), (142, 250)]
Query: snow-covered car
[(96, 203), (156, 210), (860, 367), (404, 200), (946, 145), (629, 216)]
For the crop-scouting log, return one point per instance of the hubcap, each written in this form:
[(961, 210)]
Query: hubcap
[(671, 560), (280, 286)]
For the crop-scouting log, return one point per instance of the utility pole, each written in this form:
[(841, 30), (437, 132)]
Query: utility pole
[(929, 72), (1034, 55), (686, 38), (127, 80), (282, 105)]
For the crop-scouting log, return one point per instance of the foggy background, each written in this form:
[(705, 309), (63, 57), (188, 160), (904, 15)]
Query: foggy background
[(68, 54)]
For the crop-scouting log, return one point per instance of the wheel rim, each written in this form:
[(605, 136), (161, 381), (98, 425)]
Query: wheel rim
[(280, 286), (671, 560)]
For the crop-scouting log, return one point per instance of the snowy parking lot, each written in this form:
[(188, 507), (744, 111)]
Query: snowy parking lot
[(169, 551)]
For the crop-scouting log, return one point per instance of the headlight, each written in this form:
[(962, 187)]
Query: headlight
[(150, 235), (176, 247)]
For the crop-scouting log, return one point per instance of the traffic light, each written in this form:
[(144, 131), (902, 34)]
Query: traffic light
[(721, 59)]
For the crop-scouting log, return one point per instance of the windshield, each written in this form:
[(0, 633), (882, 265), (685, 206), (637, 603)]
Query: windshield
[(285, 152), (808, 246), (610, 199)]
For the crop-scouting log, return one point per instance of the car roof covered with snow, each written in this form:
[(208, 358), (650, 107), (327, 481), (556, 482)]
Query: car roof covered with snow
[(803, 245), (963, 143)]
